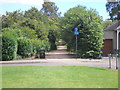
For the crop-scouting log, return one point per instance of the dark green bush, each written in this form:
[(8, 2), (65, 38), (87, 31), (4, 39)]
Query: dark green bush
[(53, 46), (9, 46), (25, 48)]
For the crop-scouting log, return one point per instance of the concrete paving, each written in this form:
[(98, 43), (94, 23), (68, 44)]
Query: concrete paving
[(62, 62)]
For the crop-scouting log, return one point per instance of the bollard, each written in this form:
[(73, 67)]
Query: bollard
[(116, 61), (109, 55)]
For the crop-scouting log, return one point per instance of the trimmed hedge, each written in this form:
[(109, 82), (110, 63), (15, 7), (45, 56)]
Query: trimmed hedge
[(25, 48), (9, 47)]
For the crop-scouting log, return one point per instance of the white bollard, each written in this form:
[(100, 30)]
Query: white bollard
[(109, 55)]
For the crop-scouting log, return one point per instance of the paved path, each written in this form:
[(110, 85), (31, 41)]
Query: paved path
[(60, 53), (60, 58)]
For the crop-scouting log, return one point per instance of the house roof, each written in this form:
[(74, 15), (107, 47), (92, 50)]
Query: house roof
[(113, 26)]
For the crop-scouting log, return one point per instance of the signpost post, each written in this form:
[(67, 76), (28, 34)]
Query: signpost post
[(76, 33)]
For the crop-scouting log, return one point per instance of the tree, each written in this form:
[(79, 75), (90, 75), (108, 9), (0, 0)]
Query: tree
[(107, 23), (31, 24), (36, 20), (50, 9), (114, 9), (12, 18), (90, 38)]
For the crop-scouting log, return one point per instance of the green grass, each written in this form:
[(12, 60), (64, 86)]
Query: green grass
[(58, 77)]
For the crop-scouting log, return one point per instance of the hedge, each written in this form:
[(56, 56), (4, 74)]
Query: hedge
[(25, 48), (9, 47)]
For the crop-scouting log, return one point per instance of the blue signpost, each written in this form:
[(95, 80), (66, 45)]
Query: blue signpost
[(76, 33)]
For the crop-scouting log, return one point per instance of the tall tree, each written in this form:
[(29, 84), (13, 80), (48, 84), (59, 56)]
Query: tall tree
[(36, 20), (89, 24), (50, 9), (12, 18), (113, 7)]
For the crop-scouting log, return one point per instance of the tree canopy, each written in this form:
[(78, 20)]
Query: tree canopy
[(90, 38), (45, 27), (113, 7), (50, 9)]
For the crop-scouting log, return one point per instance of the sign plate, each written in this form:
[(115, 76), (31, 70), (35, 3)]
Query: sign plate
[(76, 33), (75, 29)]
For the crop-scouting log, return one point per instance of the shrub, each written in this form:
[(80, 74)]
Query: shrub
[(15, 32), (46, 45), (53, 46), (40, 44), (9, 46), (25, 48), (37, 44)]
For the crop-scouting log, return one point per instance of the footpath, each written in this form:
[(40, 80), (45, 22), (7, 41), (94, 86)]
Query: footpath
[(61, 57)]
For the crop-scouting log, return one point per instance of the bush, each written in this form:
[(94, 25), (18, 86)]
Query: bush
[(25, 48), (46, 45), (18, 57), (40, 44), (53, 46), (37, 44), (9, 46)]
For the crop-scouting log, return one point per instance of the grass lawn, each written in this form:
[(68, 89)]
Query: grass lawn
[(58, 77)]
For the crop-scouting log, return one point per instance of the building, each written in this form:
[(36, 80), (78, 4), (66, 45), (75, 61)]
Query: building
[(111, 39)]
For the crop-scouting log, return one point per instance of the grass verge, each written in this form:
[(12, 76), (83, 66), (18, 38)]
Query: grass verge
[(58, 77)]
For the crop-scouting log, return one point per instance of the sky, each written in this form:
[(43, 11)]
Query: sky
[(63, 5)]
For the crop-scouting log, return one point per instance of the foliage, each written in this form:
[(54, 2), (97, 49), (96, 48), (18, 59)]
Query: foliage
[(90, 38), (12, 19), (9, 46), (50, 9), (46, 45), (31, 24), (40, 44), (113, 7), (36, 20), (25, 48), (107, 23), (44, 28), (52, 40), (21, 32), (27, 32)]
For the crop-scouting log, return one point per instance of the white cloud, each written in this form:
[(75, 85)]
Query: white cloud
[(26, 2)]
